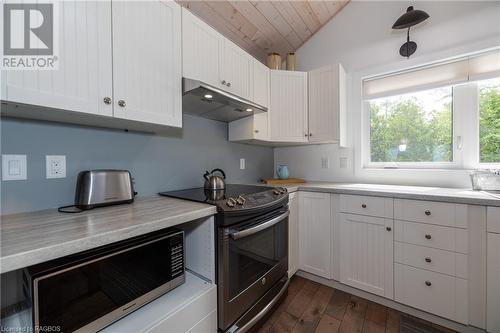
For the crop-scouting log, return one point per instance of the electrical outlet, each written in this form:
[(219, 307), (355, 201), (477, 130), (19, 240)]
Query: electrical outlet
[(55, 166), (242, 164), (14, 167), (325, 163)]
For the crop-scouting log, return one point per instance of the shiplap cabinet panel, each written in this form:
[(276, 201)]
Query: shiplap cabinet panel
[(288, 106), (293, 234), (440, 213), (201, 46), (315, 233), (84, 77), (147, 61), (366, 253), (260, 83), (493, 287), (235, 70), (327, 104)]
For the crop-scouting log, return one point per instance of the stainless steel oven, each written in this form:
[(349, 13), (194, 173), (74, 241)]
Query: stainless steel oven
[(252, 259)]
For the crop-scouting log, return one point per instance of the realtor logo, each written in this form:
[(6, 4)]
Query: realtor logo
[(29, 36)]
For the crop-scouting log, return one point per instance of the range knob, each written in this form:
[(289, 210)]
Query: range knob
[(282, 190), (276, 192), (240, 200), (231, 202)]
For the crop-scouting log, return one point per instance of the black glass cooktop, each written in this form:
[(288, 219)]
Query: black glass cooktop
[(218, 197)]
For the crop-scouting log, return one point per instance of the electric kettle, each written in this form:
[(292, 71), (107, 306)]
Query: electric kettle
[(214, 182)]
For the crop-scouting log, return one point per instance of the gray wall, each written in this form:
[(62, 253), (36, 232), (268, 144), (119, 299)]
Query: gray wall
[(157, 163)]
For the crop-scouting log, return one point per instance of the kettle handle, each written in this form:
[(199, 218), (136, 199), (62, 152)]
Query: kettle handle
[(222, 172), (206, 175)]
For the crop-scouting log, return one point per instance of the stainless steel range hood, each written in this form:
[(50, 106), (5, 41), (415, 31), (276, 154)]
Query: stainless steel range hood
[(203, 100)]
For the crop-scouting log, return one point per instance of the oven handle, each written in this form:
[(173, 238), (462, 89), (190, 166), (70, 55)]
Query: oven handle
[(260, 227)]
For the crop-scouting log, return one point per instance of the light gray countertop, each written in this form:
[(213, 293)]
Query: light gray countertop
[(455, 195), (32, 238)]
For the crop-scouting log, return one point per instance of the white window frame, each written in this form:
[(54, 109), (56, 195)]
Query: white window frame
[(465, 138)]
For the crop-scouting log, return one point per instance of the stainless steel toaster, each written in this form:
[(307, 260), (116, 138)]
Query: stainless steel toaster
[(97, 188)]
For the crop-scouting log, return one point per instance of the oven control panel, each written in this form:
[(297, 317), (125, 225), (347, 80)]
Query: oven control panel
[(255, 199)]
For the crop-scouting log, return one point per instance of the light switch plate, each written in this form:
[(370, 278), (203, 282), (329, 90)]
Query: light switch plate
[(55, 166), (14, 167)]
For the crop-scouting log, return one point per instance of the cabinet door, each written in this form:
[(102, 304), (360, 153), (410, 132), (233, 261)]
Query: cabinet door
[(235, 68), (200, 50), (288, 107), (147, 61), (493, 287), (366, 253), (326, 103), (260, 83), (293, 235), (315, 233), (84, 77)]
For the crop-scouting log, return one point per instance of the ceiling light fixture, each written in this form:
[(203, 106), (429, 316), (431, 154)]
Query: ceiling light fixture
[(406, 21)]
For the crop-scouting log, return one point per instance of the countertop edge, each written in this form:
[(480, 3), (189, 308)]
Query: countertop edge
[(400, 195), (33, 257)]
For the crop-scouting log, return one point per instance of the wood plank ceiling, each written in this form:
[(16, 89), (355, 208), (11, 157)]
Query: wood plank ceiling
[(261, 27)]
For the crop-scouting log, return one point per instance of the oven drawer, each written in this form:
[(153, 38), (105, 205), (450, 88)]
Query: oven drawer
[(439, 261), (438, 237), (440, 213), (366, 205), (440, 294)]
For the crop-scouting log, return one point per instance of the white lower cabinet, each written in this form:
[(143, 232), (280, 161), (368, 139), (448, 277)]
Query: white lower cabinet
[(293, 235), (366, 253), (315, 225), (493, 283), (432, 292)]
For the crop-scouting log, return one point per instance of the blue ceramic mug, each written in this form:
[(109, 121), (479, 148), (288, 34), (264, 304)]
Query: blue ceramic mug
[(282, 171)]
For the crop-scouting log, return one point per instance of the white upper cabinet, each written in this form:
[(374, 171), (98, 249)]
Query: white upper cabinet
[(260, 83), (256, 127), (366, 253), (288, 106), (315, 223), (147, 61), (327, 104), (83, 81), (200, 50), (235, 68)]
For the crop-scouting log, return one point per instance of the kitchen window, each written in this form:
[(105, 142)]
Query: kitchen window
[(444, 115)]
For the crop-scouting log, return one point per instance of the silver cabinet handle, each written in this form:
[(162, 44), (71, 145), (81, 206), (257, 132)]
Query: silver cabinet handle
[(228, 84), (256, 131), (306, 134), (122, 103), (428, 236), (388, 228), (260, 227), (428, 212), (107, 100), (310, 134), (428, 283), (363, 205), (428, 259), (223, 82)]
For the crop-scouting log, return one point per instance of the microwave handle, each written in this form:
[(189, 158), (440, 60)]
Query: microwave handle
[(260, 227)]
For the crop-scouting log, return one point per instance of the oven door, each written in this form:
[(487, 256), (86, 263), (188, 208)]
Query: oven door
[(253, 256)]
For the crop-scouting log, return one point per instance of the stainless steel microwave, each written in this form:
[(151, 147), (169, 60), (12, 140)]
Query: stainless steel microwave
[(88, 291)]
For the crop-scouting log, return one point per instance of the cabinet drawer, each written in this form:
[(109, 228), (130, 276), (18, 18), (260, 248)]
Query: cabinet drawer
[(366, 205), (444, 238), (493, 218), (441, 213), (436, 293), (440, 261)]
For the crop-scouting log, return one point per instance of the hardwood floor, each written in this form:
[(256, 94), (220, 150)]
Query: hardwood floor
[(313, 308)]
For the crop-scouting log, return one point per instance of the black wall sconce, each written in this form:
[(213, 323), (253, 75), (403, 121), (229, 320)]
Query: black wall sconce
[(406, 21)]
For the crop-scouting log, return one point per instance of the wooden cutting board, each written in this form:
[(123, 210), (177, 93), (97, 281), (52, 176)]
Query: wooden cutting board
[(275, 181)]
